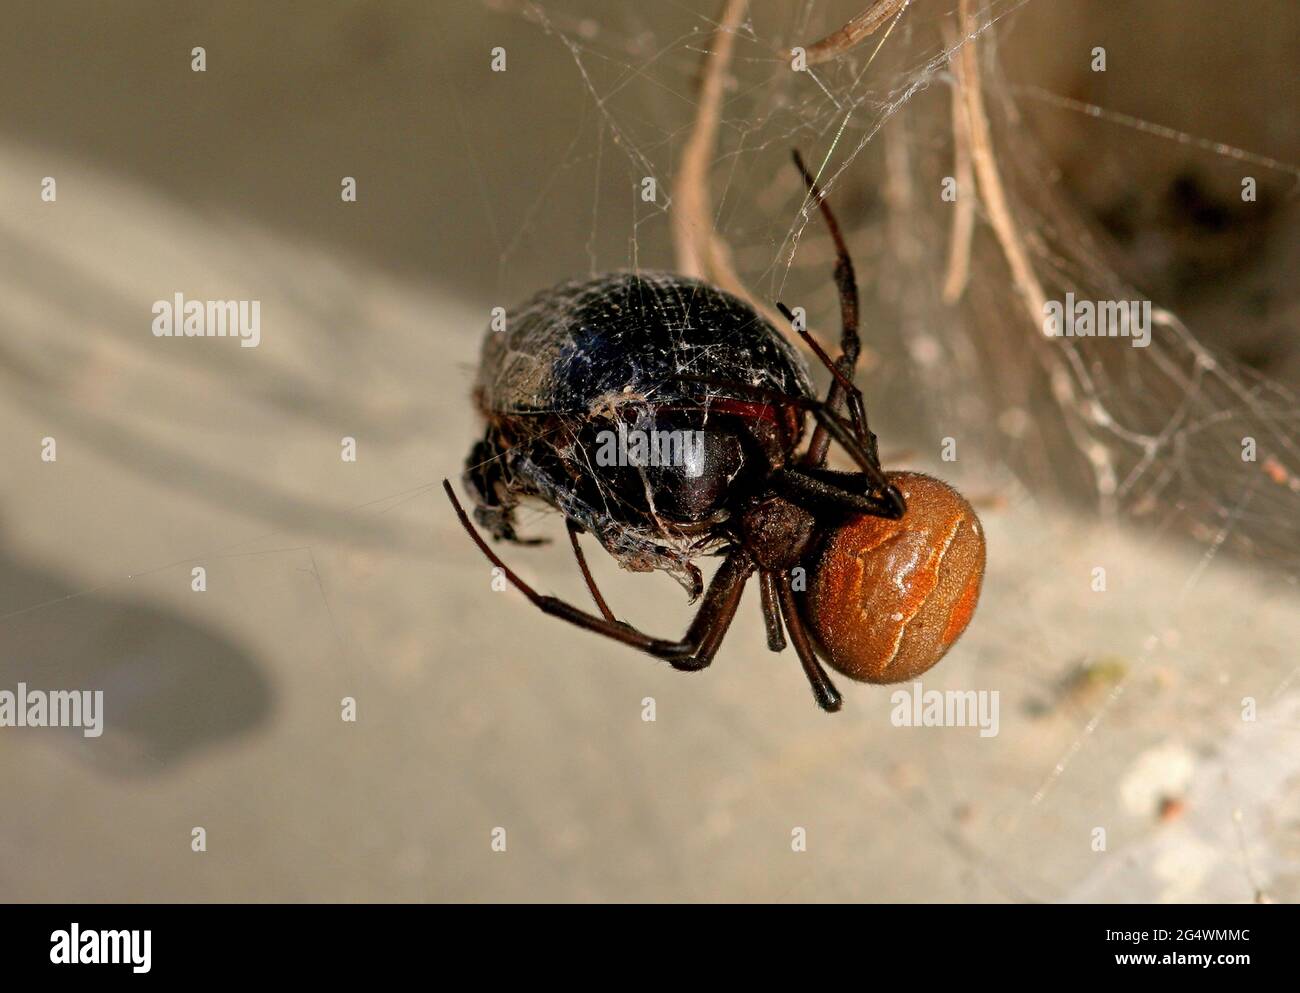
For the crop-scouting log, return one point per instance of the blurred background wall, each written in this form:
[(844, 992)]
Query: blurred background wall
[(330, 580)]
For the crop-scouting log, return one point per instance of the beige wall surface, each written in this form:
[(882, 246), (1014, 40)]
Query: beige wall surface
[(329, 579)]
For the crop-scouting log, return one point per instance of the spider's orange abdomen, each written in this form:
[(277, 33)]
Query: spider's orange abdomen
[(888, 598)]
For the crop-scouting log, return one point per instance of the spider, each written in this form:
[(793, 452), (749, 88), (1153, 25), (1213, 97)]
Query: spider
[(877, 572)]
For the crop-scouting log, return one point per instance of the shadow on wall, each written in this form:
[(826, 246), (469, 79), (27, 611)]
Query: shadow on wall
[(171, 687)]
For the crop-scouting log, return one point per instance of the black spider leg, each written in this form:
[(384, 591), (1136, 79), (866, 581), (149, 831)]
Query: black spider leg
[(824, 691), (694, 651), (854, 482), (771, 611), (733, 574), (857, 409), (823, 497), (778, 601), (846, 282), (889, 503)]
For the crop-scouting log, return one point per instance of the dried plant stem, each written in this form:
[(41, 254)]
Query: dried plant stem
[(701, 251), (1000, 218), (854, 32), (986, 169), (963, 222), (692, 205)]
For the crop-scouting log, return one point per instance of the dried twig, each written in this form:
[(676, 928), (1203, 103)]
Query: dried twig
[(990, 180), (854, 32), (701, 251), (692, 213), (963, 222), (1000, 218)]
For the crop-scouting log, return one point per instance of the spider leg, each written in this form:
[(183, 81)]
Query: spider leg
[(694, 651), (771, 611), (586, 572), (817, 494), (824, 691), (850, 343), (536, 473), (734, 572), (857, 409), (866, 460), (836, 428), (853, 482)]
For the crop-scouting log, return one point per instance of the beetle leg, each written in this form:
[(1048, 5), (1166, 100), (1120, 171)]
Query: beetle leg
[(485, 478)]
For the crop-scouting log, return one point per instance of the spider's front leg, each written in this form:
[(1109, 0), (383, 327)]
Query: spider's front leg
[(693, 651)]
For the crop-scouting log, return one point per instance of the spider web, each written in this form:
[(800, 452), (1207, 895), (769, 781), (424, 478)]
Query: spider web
[(1143, 446)]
